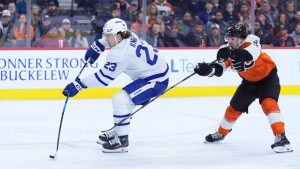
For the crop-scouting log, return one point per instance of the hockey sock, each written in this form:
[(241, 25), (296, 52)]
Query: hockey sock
[(231, 115), (272, 111)]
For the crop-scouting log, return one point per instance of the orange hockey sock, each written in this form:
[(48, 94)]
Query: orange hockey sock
[(231, 115), (272, 111)]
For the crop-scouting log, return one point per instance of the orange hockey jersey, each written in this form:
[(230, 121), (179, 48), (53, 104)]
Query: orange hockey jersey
[(260, 66)]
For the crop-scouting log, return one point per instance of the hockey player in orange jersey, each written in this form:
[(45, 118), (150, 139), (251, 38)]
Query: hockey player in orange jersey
[(259, 76)]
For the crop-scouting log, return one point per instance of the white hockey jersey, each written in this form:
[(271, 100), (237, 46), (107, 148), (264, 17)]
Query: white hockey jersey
[(134, 57)]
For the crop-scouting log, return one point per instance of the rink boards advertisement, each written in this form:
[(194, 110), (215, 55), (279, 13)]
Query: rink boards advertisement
[(42, 74)]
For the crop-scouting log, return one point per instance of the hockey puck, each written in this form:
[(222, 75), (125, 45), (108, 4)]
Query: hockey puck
[(51, 156)]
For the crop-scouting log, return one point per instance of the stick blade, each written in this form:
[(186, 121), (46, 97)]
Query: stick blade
[(52, 156)]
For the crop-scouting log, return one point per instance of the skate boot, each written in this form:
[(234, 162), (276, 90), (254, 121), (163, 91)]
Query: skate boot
[(281, 144), (118, 144), (212, 138), (105, 137)]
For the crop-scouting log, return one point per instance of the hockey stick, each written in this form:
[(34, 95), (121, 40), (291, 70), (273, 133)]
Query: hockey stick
[(63, 112), (104, 131)]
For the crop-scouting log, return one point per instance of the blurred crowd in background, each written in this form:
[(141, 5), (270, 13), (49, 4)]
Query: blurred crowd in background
[(168, 23)]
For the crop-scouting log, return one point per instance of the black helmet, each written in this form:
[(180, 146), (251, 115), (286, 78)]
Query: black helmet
[(238, 30)]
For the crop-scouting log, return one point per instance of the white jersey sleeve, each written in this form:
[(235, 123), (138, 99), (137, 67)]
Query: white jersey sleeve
[(113, 67), (252, 45)]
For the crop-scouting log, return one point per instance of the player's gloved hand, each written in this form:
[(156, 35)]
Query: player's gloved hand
[(94, 51), (73, 88), (223, 54), (238, 65), (204, 69), (241, 60)]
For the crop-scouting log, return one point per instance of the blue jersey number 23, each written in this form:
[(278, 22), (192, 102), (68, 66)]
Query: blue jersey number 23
[(150, 61)]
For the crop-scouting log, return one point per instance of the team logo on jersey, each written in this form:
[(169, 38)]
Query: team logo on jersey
[(241, 66)]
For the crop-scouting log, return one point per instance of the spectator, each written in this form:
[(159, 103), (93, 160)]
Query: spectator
[(54, 2), (35, 16), (78, 41), (66, 31), (53, 12), (172, 37), (230, 15), (217, 6), (137, 24), (196, 6), (20, 32), (269, 13), (247, 24), (12, 9), (282, 20), (266, 38), (124, 5), (52, 39), (244, 10), (283, 39), (265, 25), (154, 37), (6, 29), (274, 5), (186, 24), (208, 14), (180, 5), (161, 22), (219, 19), (164, 7), (290, 11), (21, 6), (45, 26), (152, 13), (296, 35), (41, 3), (296, 21), (132, 11), (275, 9), (98, 22), (197, 36), (115, 11), (215, 39)]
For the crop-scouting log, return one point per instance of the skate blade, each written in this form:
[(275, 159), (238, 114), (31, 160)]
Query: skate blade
[(215, 142), (283, 149), (119, 150), (100, 142)]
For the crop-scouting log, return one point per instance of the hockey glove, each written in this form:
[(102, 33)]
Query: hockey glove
[(204, 69), (241, 60), (223, 54), (94, 51), (73, 88)]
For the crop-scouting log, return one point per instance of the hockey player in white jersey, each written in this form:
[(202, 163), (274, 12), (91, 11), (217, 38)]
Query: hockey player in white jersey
[(130, 55)]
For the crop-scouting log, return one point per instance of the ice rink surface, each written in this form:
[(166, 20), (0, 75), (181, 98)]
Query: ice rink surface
[(167, 134)]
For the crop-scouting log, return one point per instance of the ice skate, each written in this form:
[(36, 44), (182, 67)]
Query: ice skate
[(116, 145), (213, 138), (281, 144), (105, 137)]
